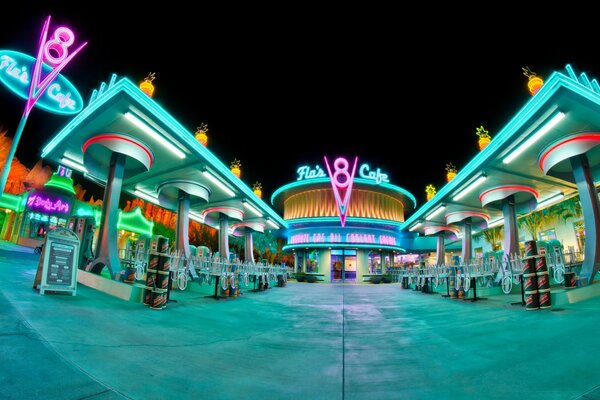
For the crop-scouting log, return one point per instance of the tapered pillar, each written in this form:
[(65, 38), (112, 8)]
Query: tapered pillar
[(511, 234), (440, 250), (107, 252), (590, 208), (224, 236), (467, 243), (182, 241), (249, 247)]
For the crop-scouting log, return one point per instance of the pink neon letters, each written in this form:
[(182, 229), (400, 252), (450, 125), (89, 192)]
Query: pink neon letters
[(56, 53), (38, 202), (340, 166)]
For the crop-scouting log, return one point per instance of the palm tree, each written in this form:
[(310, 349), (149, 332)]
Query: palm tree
[(568, 209), (533, 223), (493, 236)]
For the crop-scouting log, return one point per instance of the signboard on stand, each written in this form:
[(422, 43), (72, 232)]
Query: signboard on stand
[(57, 270)]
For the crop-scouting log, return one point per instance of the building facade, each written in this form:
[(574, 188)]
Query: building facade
[(344, 220)]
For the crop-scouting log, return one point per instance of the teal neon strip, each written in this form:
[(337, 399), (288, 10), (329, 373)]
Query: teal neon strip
[(571, 72), (10, 201), (349, 219), (555, 82), (307, 182), (344, 245), (583, 79), (134, 221), (128, 87), (595, 86)]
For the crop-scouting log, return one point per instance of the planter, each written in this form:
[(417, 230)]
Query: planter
[(258, 193), (236, 171), (450, 176)]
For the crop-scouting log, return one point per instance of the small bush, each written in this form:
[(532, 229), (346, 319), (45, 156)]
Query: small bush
[(376, 279), (311, 279), (300, 277)]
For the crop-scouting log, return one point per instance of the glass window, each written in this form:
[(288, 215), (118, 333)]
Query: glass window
[(300, 261), (550, 234), (312, 261)]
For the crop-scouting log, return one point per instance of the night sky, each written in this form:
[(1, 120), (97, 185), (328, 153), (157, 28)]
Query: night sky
[(281, 92)]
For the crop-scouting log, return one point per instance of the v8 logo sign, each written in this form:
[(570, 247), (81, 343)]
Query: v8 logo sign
[(341, 183)]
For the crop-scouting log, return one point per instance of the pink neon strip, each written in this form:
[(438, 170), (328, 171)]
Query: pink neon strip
[(342, 206), (471, 214), (100, 138), (37, 88), (589, 136), (217, 209), (517, 187)]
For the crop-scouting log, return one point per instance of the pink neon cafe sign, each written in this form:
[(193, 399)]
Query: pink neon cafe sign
[(341, 183)]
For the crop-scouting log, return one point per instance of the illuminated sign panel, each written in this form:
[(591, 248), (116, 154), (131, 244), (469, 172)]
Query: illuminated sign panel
[(48, 203), (364, 171), (341, 182), (59, 97), (334, 236)]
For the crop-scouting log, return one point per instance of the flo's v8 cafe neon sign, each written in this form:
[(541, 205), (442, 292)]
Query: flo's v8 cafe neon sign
[(60, 97), (364, 171)]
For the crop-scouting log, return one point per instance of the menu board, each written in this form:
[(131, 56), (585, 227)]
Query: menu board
[(59, 272), (60, 263)]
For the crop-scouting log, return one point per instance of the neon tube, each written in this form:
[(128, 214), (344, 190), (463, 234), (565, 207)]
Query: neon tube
[(541, 132), (251, 208), (73, 164), (155, 135), (436, 212), (146, 196), (469, 188), (550, 200), (496, 222), (217, 182), (415, 226)]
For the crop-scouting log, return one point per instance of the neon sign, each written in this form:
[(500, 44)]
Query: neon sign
[(352, 237), (342, 181), (305, 172), (46, 203), (365, 172), (60, 97)]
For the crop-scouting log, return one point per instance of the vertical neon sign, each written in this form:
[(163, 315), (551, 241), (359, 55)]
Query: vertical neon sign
[(55, 52), (343, 185)]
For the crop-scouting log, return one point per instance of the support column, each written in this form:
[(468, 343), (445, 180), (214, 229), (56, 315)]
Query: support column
[(511, 234), (467, 251), (249, 247), (107, 253), (590, 208), (224, 236), (440, 250), (182, 237)]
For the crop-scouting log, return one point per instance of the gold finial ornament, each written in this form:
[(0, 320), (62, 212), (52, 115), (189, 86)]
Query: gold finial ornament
[(534, 83), (201, 134), (235, 167), (450, 172), (484, 137), (146, 86)]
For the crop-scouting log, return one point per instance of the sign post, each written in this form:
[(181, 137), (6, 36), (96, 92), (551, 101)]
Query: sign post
[(57, 270), (55, 53)]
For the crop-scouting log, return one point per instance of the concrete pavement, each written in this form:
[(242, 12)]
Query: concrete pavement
[(305, 341)]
